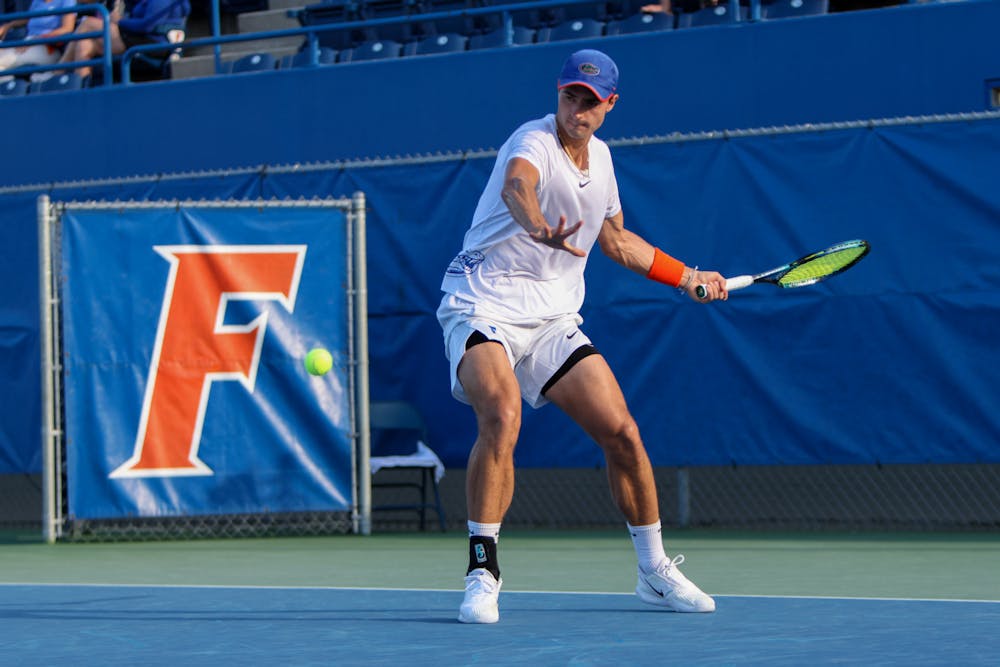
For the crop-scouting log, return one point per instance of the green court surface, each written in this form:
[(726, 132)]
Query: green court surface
[(951, 566)]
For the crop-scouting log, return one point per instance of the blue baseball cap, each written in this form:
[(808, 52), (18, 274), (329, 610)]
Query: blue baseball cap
[(592, 69)]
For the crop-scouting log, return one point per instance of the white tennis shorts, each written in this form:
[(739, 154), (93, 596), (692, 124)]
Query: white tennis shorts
[(535, 351)]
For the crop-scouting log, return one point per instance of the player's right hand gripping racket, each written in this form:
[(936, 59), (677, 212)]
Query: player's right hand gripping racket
[(805, 271)]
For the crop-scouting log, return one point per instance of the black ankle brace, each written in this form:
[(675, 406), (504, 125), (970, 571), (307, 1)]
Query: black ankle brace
[(483, 554)]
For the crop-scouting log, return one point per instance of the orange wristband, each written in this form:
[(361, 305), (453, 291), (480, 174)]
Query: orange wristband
[(665, 269)]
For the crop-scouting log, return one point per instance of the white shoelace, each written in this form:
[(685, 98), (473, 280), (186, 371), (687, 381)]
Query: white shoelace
[(665, 568), (672, 562), (481, 584)]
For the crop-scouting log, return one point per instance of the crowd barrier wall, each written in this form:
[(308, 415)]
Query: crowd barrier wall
[(892, 362), (908, 60)]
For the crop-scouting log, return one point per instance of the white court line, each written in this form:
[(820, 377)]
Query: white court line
[(252, 587)]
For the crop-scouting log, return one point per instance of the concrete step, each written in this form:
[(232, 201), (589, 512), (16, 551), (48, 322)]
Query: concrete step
[(200, 61), (272, 19), (193, 67), (289, 4), (293, 43)]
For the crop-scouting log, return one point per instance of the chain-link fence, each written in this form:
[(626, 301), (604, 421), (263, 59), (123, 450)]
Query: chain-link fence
[(857, 497)]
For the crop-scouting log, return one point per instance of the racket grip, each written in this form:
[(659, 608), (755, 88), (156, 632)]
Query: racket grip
[(734, 283)]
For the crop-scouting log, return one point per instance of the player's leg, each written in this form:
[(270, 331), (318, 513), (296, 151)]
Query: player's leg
[(493, 392), (491, 388), (589, 393)]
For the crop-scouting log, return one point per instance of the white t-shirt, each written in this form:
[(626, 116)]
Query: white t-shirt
[(506, 274)]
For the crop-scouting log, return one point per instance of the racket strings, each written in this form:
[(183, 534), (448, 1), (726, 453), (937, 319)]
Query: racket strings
[(811, 270)]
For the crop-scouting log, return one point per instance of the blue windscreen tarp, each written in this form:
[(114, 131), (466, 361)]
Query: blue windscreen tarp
[(894, 361)]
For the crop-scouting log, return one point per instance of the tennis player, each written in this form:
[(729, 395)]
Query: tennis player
[(511, 327)]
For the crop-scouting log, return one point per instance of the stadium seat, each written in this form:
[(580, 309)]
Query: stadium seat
[(498, 38), (381, 9), (13, 88), (330, 11), (718, 15), (459, 23), (595, 9), (59, 82), (376, 50), (326, 56), (619, 10), (395, 32), (399, 442), (531, 17), (781, 9), (254, 62), (242, 6), (575, 29), (445, 43), (333, 11), (641, 23)]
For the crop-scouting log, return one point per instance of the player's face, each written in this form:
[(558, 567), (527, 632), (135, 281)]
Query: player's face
[(580, 113)]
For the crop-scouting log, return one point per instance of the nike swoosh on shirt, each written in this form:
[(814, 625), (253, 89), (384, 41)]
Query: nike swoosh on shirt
[(568, 336)]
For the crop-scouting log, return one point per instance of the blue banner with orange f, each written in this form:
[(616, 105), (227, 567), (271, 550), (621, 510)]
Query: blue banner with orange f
[(184, 331)]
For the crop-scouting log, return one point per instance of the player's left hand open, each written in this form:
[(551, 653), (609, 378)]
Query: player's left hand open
[(557, 238)]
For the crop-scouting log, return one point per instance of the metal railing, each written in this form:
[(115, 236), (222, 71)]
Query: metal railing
[(310, 33), (105, 34), (506, 11)]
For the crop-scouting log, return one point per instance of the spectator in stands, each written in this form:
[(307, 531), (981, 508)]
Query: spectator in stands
[(38, 27), (141, 22), (665, 6), (686, 6), (511, 327)]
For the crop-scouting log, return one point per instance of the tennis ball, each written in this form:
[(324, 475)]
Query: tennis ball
[(318, 361)]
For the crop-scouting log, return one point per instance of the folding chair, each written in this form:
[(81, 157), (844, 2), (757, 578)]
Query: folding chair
[(399, 442)]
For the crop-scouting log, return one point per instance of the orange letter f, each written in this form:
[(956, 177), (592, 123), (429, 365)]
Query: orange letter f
[(194, 347)]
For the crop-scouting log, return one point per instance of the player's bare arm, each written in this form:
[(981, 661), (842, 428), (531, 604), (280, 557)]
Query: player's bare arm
[(520, 195), (635, 253)]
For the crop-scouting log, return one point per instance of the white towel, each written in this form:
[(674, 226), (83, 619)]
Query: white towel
[(424, 457)]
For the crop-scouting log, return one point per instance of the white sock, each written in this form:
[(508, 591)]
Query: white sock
[(485, 530), (648, 543)]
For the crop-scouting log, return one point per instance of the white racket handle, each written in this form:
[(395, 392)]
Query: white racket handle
[(734, 283)]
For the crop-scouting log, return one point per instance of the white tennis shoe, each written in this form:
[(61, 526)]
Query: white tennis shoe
[(481, 593), (668, 587)]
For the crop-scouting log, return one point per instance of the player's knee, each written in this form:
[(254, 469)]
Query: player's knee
[(499, 425), (622, 439), (503, 420)]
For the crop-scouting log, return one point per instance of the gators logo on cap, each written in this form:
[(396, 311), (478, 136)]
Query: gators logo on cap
[(590, 69)]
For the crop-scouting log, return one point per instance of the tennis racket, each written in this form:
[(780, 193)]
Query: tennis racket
[(805, 271)]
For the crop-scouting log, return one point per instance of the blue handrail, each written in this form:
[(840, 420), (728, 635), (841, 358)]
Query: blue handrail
[(105, 33), (216, 40)]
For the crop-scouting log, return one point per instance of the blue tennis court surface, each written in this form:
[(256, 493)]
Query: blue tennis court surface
[(186, 625)]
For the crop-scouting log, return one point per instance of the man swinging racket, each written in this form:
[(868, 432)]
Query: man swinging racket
[(510, 320)]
